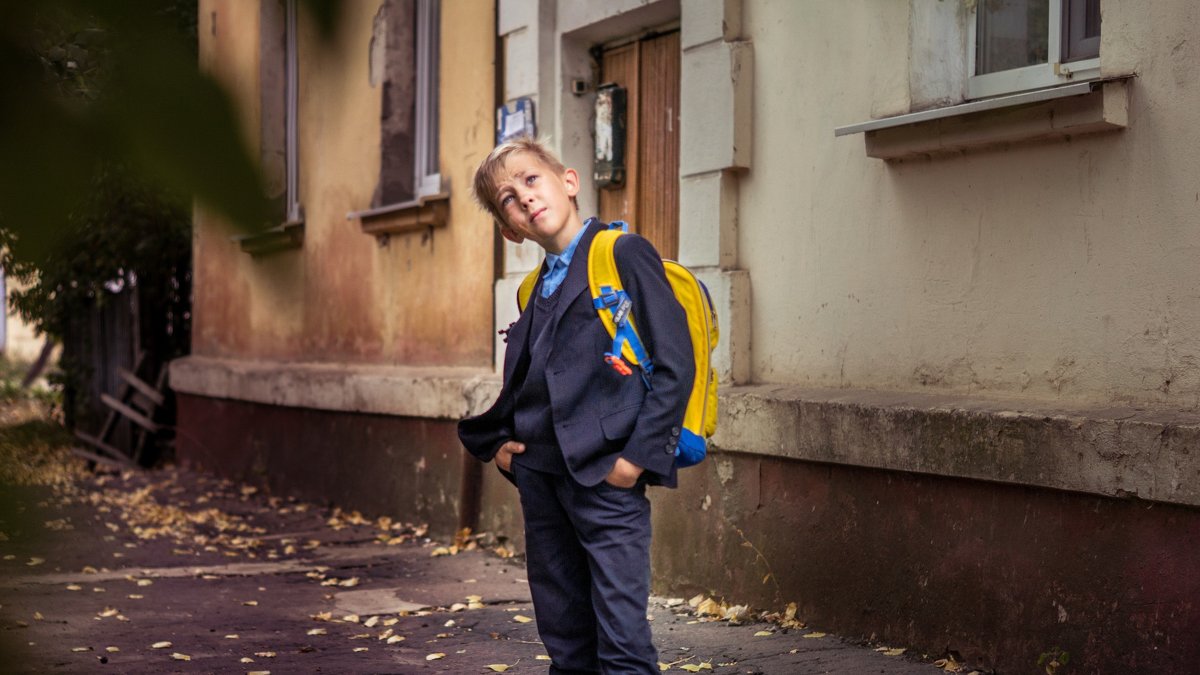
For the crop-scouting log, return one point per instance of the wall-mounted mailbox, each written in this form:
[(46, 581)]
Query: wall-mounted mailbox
[(609, 168)]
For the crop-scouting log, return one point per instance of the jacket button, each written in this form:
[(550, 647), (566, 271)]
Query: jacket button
[(674, 431), (670, 449)]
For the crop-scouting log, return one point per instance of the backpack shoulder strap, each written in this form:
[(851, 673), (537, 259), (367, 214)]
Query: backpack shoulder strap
[(526, 288), (613, 305)]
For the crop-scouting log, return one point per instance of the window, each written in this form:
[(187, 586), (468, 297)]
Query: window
[(279, 75), (428, 179), (1018, 45), (408, 34)]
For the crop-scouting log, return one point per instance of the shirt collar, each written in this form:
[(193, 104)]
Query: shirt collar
[(569, 252)]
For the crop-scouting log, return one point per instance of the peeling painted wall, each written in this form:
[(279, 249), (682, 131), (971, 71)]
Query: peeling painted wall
[(1062, 271), (420, 298)]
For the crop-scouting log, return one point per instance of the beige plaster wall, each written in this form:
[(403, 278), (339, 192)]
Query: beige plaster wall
[(1059, 271), (422, 298)]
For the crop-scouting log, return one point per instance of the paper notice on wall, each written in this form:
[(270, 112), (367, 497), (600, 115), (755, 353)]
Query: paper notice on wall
[(514, 120)]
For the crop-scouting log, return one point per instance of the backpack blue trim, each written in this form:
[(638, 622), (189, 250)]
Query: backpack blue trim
[(690, 450), (618, 305)]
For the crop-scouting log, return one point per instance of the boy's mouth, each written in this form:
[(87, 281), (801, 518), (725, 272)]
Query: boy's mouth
[(536, 214)]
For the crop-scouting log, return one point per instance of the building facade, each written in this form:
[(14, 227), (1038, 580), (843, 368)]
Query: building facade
[(951, 248)]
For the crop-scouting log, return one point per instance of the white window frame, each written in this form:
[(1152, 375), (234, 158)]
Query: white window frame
[(292, 159), (1050, 74), (428, 29)]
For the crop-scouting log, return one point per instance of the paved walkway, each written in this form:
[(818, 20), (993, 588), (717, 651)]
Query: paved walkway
[(173, 571)]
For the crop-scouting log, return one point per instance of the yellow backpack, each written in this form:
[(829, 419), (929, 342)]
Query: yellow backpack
[(613, 305)]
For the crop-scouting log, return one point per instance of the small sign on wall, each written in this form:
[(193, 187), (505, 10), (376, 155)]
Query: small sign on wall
[(514, 120)]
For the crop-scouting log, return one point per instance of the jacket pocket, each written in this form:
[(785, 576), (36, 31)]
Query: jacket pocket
[(619, 424)]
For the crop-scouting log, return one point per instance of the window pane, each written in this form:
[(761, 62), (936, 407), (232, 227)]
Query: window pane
[(1081, 29), (1011, 34), (431, 101)]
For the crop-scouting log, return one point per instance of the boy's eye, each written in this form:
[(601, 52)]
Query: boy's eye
[(505, 200), (529, 179)]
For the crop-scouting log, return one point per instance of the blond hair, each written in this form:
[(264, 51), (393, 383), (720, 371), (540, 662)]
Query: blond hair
[(487, 176)]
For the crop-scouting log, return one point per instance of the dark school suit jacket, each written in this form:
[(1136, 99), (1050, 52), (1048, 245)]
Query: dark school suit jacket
[(598, 413)]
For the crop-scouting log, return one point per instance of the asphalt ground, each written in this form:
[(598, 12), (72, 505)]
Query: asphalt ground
[(171, 570)]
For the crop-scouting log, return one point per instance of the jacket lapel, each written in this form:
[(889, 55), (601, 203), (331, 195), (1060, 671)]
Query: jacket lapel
[(518, 334), (577, 276)]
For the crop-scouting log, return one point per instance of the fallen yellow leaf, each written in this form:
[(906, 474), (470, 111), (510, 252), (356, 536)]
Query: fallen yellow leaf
[(541, 657), (81, 649), (74, 587), (112, 650), (497, 667), (265, 655), (394, 639), (371, 622), (160, 645), (894, 652), (181, 657), (522, 619), (34, 562), (259, 672), (232, 636), (763, 633), (391, 622), (145, 582), (109, 611), (814, 634), (351, 618), (246, 659), (251, 603), (435, 656), (361, 649), (37, 616), (316, 631)]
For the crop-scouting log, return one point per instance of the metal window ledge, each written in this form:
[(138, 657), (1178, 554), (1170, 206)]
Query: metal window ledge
[(289, 235), (1045, 114), (411, 216)]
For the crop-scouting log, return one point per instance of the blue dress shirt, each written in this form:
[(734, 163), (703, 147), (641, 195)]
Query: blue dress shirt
[(556, 265)]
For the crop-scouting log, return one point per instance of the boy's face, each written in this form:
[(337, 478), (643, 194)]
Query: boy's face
[(536, 203)]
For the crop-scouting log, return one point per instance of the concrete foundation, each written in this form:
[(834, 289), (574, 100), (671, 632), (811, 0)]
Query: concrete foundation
[(998, 573)]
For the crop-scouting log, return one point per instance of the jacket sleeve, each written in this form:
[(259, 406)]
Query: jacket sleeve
[(483, 434), (662, 325)]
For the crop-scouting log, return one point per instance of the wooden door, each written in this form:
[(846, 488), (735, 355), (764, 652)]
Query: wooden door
[(648, 69)]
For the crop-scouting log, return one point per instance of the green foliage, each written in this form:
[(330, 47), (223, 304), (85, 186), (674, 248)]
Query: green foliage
[(94, 82), (124, 232), (1053, 660)]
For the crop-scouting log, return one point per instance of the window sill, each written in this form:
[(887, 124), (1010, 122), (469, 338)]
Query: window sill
[(412, 216), (1047, 114), (289, 235)]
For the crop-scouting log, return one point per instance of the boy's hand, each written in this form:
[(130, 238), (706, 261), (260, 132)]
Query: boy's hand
[(505, 453), (624, 474)]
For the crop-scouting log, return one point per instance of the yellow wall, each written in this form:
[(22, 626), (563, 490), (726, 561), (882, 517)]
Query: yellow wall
[(421, 298)]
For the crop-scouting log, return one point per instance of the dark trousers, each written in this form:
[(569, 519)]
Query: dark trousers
[(588, 553)]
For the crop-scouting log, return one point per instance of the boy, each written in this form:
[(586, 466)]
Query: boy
[(578, 439)]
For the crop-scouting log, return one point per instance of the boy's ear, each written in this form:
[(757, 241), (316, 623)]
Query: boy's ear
[(570, 178), (511, 234)]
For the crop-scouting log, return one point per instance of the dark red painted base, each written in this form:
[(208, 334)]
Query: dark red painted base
[(998, 573), (403, 467)]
